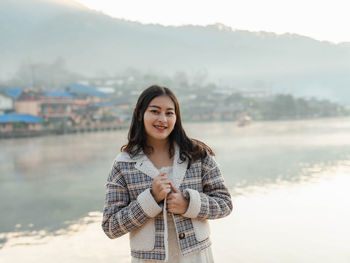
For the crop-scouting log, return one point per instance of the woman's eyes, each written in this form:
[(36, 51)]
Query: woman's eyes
[(158, 112)]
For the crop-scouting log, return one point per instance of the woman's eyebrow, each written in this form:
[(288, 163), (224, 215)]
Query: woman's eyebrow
[(158, 107)]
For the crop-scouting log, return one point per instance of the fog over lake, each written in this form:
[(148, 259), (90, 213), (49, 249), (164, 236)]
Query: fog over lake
[(289, 181)]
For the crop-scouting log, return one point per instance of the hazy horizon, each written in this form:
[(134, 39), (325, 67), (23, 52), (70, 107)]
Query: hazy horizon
[(95, 45)]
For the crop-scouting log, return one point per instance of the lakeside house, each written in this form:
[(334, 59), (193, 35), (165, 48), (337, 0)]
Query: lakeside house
[(20, 123), (47, 105)]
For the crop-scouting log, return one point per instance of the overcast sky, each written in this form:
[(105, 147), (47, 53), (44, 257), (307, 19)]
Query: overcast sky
[(320, 19)]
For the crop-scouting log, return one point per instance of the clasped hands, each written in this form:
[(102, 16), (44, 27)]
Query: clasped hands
[(161, 188)]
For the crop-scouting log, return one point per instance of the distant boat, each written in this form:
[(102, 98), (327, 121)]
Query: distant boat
[(244, 119)]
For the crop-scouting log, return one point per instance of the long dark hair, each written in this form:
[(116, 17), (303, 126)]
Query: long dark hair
[(190, 149)]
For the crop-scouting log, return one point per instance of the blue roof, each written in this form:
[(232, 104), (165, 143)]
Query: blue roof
[(107, 104), (58, 94), (27, 118), (83, 89), (124, 116), (14, 93), (118, 111)]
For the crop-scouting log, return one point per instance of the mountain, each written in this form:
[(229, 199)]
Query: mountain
[(90, 41)]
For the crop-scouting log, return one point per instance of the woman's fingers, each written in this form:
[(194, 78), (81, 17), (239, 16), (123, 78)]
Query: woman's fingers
[(164, 181), (169, 202), (161, 178), (170, 205), (160, 187), (162, 174), (165, 189), (174, 188), (171, 199), (161, 183)]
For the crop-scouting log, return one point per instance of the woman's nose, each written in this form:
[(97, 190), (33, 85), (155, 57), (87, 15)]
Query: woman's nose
[(162, 117)]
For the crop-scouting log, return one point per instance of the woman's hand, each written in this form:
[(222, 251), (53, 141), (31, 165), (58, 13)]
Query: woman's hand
[(176, 202), (160, 187)]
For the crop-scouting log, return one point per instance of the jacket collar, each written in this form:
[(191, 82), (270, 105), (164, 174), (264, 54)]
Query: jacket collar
[(144, 165)]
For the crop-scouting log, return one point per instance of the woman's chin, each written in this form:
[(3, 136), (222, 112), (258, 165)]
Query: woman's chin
[(160, 137)]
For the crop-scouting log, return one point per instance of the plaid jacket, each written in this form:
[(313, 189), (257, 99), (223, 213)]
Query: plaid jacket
[(130, 207)]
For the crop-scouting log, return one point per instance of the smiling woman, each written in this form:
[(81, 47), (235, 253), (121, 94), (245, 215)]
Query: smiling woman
[(164, 186), (159, 118)]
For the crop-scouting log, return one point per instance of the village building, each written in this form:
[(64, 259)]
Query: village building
[(14, 93), (56, 105), (19, 123), (85, 92), (91, 106), (48, 105), (6, 103), (73, 108)]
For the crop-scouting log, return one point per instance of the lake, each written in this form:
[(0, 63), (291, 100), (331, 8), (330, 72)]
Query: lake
[(289, 182)]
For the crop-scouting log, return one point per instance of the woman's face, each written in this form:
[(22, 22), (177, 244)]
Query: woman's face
[(159, 118)]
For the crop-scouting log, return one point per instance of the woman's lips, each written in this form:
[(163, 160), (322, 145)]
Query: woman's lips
[(160, 128)]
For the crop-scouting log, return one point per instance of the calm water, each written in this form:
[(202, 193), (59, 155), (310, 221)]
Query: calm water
[(289, 182)]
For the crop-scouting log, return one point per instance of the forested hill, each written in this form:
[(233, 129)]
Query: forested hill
[(90, 41)]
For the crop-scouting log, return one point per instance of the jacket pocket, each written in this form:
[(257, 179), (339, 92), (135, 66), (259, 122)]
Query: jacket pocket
[(143, 238), (201, 229)]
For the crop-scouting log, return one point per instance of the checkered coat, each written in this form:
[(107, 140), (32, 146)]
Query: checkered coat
[(130, 207)]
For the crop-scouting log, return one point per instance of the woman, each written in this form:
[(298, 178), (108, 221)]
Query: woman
[(163, 186)]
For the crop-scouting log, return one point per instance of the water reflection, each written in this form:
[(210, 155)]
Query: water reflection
[(281, 222), (272, 151), (82, 241), (290, 222), (47, 181)]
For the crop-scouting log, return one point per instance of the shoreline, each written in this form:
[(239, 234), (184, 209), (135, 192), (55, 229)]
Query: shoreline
[(60, 131), (90, 129)]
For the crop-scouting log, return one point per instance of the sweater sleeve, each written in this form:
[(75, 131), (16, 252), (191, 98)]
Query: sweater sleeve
[(120, 215), (215, 200)]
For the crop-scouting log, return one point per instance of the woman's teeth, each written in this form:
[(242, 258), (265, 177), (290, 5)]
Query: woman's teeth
[(160, 127)]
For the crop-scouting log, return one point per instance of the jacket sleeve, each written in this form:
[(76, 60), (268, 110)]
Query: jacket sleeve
[(215, 201), (120, 215)]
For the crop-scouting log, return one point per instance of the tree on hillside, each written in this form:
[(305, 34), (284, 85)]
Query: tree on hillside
[(47, 76)]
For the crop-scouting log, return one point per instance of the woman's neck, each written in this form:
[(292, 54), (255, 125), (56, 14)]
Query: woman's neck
[(160, 154), (159, 145)]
